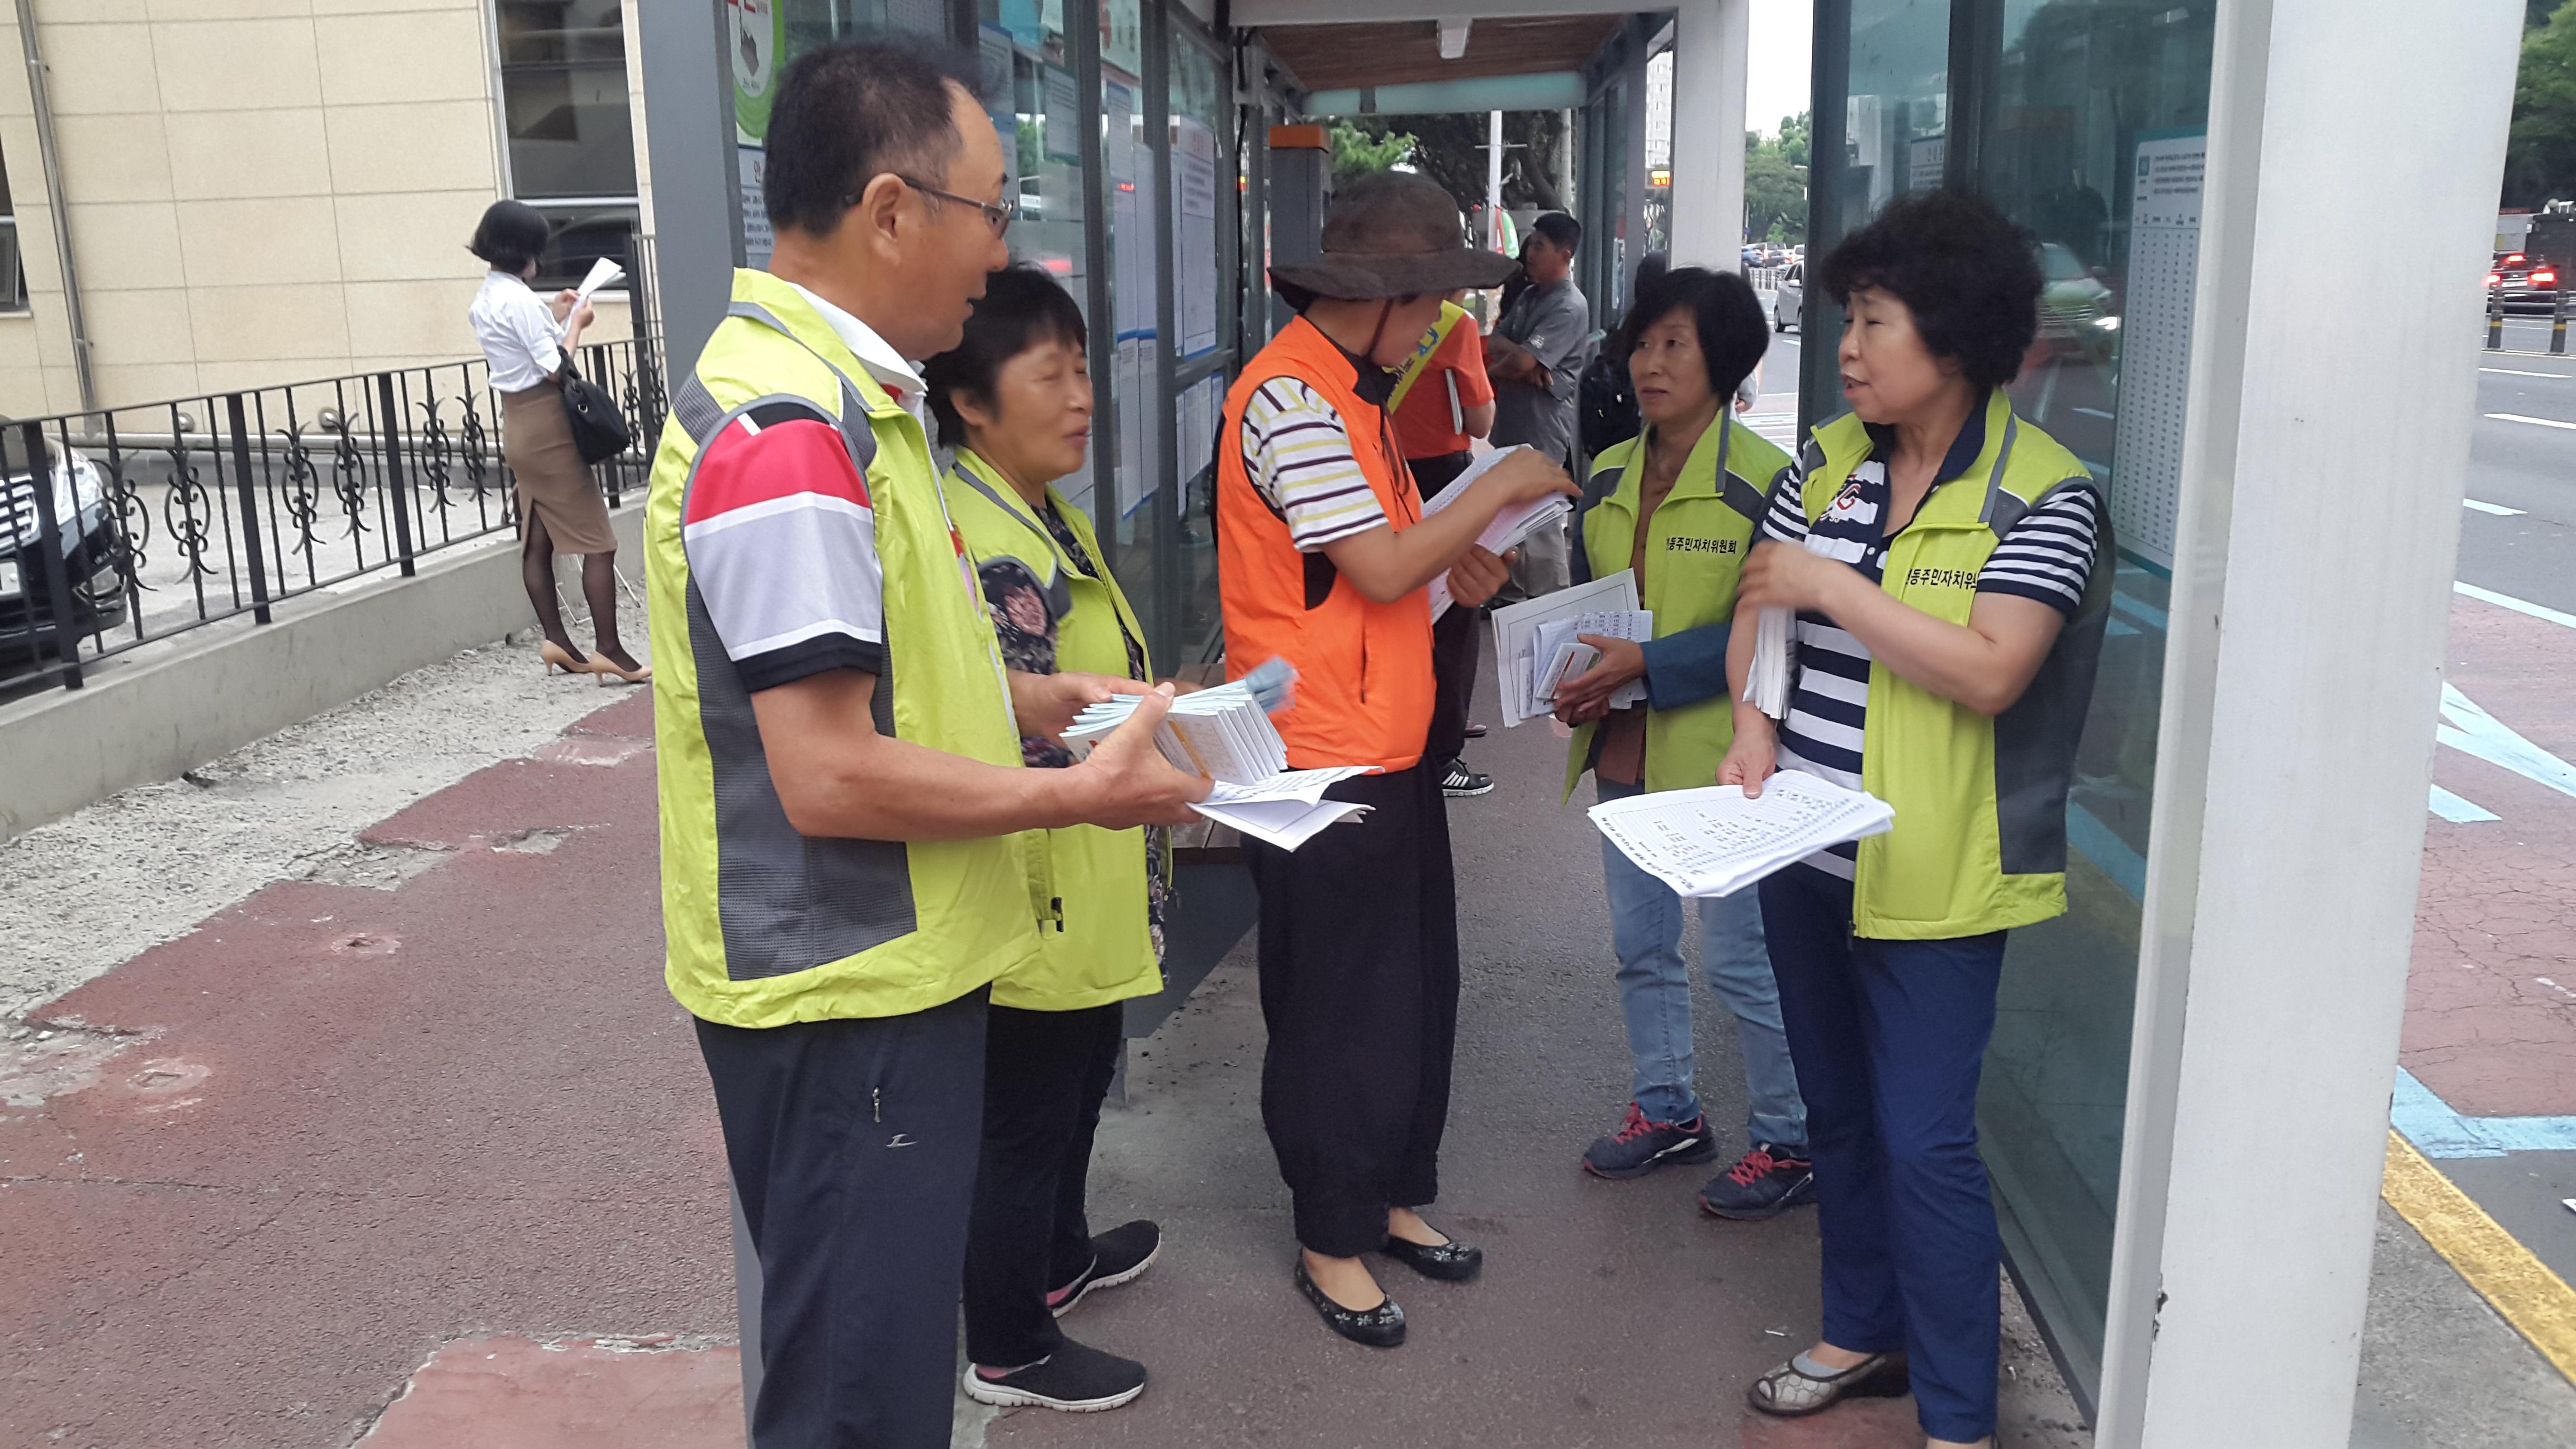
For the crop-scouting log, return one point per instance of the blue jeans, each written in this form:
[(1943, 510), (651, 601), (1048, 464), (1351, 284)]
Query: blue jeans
[(1655, 996), (1889, 1036)]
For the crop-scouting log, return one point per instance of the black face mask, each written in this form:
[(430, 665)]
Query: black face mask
[(1375, 384)]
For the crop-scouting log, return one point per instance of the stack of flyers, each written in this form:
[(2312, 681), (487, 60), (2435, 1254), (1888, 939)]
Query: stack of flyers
[(1221, 733)]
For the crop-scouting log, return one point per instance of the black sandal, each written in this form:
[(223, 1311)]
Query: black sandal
[(1789, 1392), (1379, 1327)]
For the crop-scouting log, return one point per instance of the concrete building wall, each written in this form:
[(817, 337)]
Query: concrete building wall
[(259, 191)]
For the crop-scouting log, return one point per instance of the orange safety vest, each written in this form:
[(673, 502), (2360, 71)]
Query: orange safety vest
[(1364, 687)]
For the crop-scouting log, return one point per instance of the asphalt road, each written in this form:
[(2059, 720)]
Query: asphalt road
[(2522, 457)]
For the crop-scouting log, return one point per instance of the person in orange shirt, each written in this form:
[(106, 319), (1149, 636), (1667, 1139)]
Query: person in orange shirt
[(1441, 405), (1324, 559)]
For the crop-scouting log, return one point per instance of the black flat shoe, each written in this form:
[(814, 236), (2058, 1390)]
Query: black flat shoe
[(1788, 1392), (1379, 1327), (1451, 1262)]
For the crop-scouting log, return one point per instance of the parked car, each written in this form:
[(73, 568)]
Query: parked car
[(85, 548), (2074, 301), (1789, 299)]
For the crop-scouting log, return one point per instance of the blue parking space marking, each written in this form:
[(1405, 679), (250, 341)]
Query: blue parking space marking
[(2438, 1132), (2458, 811)]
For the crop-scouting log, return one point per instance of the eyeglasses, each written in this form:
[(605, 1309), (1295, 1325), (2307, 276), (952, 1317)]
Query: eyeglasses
[(997, 214)]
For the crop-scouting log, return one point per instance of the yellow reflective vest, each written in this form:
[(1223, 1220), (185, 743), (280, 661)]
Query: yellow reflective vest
[(1695, 545), (1451, 314), (1098, 947), (765, 925), (1979, 843)]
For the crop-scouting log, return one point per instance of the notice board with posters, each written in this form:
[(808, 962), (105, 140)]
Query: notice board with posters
[(2155, 340)]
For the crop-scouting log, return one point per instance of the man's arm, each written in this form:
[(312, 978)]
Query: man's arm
[(836, 776)]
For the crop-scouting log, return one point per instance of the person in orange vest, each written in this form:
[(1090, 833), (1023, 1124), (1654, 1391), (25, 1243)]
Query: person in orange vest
[(1324, 559), (1441, 405)]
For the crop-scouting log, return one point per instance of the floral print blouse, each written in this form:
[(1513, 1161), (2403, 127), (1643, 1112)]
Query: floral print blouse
[(1026, 630)]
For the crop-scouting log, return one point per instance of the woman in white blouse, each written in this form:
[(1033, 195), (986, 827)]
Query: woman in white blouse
[(529, 345)]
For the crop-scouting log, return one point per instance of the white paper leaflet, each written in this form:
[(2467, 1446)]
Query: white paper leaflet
[(1714, 842), (1535, 646), (602, 273), (1509, 526), (1766, 680)]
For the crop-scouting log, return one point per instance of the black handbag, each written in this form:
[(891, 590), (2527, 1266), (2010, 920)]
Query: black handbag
[(598, 428)]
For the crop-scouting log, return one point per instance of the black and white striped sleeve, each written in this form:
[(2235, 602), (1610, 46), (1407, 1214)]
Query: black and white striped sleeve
[(1786, 519), (2049, 554)]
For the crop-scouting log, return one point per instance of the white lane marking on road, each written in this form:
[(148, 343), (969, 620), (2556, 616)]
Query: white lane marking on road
[(2473, 731), (2519, 606), (2518, 372), (2535, 422), (2498, 509), (2458, 811)]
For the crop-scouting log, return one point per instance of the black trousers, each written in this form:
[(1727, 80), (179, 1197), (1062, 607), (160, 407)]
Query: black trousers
[(1453, 637), (853, 1146), (1045, 1073), (1359, 989)]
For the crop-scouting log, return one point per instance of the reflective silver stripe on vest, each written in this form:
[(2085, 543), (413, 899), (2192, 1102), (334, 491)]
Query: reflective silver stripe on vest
[(785, 902), (699, 414), (1059, 594), (2002, 510), (1739, 493), (2037, 739)]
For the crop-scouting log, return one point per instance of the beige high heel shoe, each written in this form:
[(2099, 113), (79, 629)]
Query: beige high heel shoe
[(557, 657), (608, 672)]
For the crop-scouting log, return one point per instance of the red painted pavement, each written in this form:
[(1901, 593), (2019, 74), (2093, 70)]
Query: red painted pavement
[(513, 1393), (339, 1127), (2491, 1004)]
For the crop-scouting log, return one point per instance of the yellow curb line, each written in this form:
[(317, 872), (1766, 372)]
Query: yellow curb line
[(2537, 1302)]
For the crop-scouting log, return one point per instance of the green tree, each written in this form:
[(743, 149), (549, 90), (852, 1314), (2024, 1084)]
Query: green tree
[(1796, 132), (2540, 158), (1450, 149), (1363, 146), (1775, 182)]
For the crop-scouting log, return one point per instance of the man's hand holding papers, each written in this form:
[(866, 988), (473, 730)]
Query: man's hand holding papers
[(1130, 782), (1719, 839), (1225, 734)]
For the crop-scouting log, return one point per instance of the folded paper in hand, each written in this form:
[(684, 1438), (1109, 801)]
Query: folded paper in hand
[(1714, 842), (602, 273), (1509, 526), (1536, 648)]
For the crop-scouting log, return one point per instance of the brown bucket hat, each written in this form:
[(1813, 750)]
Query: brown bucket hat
[(1394, 234)]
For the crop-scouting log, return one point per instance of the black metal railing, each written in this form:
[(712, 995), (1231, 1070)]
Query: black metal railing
[(128, 525)]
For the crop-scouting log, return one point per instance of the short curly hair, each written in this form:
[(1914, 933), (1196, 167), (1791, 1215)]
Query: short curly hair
[(1967, 273)]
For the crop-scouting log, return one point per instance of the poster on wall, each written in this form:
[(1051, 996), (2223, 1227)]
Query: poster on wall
[(757, 43), (1063, 115), (1194, 234), (2155, 340), (1122, 35), (758, 35), (752, 163), (994, 57)]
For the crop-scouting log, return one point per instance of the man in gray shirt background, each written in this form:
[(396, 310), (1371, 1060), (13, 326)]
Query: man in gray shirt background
[(1535, 358)]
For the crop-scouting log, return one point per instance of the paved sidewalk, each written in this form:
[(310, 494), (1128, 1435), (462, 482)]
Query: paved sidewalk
[(404, 1143)]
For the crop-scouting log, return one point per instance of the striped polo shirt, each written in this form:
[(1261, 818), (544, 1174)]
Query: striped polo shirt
[(2047, 555), (1298, 454)]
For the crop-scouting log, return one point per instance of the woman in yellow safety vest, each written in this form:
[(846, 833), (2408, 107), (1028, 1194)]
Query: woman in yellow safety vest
[(1944, 559), (1678, 507), (1013, 399)]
